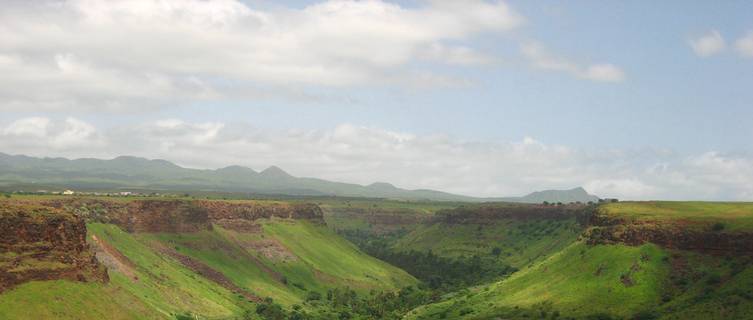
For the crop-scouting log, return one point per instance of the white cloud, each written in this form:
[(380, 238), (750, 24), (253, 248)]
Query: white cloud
[(353, 153), (36, 134), (540, 58), (744, 45), (604, 72), (35, 127), (708, 44), (125, 55)]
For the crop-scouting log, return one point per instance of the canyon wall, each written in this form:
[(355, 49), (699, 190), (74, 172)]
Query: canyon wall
[(43, 243)]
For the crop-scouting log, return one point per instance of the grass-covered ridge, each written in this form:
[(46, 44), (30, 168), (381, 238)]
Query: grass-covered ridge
[(737, 216)]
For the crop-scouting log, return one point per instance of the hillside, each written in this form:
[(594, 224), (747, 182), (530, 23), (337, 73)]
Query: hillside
[(213, 259), (18, 172), (554, 196), (639, 260), (132, 173), (522, 233)]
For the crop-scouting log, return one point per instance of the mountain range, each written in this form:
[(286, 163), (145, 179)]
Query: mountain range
[(126, 172)]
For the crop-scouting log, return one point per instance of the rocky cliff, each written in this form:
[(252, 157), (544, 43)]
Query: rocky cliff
[(177, 216), (672, 234), (44, 243)]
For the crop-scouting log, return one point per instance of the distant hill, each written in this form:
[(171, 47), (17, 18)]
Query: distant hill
[(565, 196), (127, 172)]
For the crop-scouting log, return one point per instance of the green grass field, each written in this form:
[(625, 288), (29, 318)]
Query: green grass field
[(737, 216), (68, 300)]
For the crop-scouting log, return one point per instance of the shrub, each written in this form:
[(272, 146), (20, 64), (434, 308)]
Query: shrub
[(185, 316), (313, 296), (717, 226), (646, 315), (713, 279), (599, 316)]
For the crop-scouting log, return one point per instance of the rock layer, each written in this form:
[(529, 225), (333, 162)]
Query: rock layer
[(670, 234), (43, 243)]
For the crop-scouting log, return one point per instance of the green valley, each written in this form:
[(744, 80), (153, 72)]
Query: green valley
[(356, 258)]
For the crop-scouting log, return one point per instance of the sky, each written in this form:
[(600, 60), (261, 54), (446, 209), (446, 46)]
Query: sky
[(629, 99)]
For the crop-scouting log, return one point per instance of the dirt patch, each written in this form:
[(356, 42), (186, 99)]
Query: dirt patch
[(113, 259), (273, 250)]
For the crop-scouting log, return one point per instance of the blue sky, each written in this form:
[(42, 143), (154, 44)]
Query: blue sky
[(594, 93)]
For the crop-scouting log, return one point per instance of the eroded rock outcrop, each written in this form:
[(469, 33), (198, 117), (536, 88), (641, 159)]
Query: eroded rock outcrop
[(178, 216), (44, 243), (672, 234)]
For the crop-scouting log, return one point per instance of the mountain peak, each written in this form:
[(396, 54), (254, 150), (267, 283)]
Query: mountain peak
[(275, 172)]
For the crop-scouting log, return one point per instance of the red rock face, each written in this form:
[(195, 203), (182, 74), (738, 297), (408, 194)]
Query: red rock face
[(43, 243), (219, 210), (173, 216), (179, 216)]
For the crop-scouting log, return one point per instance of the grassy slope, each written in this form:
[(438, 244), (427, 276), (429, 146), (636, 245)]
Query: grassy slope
[(163, 283), (577, 281), (323, 260), (72, 300), (322, 250), (521, 242)]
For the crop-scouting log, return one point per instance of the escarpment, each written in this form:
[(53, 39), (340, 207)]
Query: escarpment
[(671, 234), (185, 216), (491, 213), (44, 243), (241, 216)]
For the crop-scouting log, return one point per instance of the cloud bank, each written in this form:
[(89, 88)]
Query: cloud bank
[(352, 153), (126, 55)]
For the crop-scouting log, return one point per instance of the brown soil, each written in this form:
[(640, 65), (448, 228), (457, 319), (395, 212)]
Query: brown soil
[(113, 259)]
